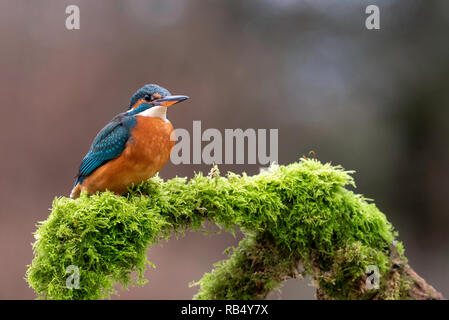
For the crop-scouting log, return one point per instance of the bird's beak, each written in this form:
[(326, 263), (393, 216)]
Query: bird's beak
[(169, 100)]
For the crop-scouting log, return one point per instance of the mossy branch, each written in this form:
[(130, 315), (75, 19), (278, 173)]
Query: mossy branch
[(297, 219)]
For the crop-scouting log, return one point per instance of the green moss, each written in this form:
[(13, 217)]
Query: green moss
[(304, 209), (255, 268)]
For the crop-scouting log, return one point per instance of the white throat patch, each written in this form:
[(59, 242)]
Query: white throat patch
[(155, 112)]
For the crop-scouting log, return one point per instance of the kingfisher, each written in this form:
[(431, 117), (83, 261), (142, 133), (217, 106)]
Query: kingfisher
[(133, 147)]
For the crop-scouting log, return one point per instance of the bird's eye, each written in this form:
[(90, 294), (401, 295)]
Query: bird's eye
[(148, 97)]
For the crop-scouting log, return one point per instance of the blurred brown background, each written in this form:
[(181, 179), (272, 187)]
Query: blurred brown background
[(373, 101)]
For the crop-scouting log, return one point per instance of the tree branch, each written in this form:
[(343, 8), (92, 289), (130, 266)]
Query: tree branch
[(297, 219)]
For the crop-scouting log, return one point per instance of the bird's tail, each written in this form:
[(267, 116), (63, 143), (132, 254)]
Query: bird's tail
[(75, 191)]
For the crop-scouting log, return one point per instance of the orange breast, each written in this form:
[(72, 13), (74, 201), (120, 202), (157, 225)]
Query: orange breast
[(146, 152)]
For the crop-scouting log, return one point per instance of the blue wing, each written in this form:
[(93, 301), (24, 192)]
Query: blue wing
[(108, 144)]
